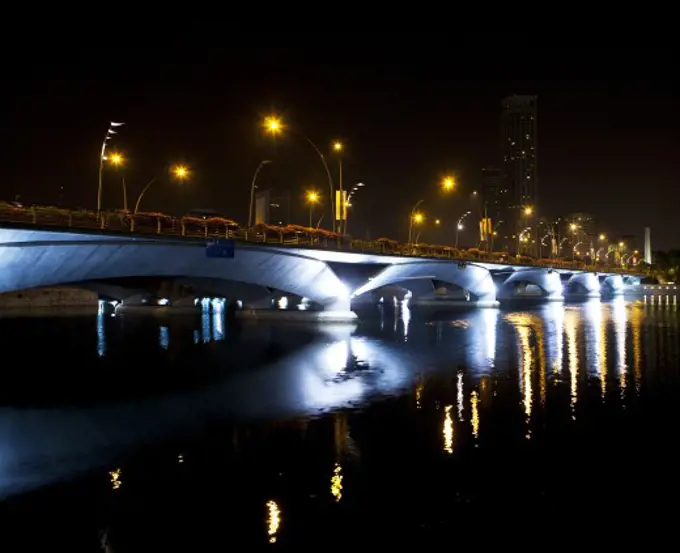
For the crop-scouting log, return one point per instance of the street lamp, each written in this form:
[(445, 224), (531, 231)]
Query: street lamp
[(102, 158), (349, 201), (448, 183), (252, 191), (414, 217), (117, 161), (180, 172), (459, 225), (273, 125), (312, 198)]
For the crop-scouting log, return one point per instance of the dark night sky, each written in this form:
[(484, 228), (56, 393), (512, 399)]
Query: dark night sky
[(408, 109)]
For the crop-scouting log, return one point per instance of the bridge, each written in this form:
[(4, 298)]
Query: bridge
[(330, 276)]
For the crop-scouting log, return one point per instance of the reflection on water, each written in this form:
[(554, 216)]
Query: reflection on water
[(283, 399), (273, 520)]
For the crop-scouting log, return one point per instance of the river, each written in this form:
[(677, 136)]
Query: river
[(199, 433)]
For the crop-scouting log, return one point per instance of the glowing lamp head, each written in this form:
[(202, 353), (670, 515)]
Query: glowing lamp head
[(116, 159), (180, 171), (418, 218), (273, 125), (337, 146), (448, 183), (603, 237), (528, 210), (312, 197)]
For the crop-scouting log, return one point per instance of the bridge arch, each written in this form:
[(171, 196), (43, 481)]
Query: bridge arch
[(30, 259), (547, 280), (473, 278), (585, 285)]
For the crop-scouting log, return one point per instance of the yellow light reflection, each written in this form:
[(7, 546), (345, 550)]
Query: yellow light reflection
[(474, 402), (636, 316), (571, 330), (522, 323), (542, 369), (336, 482), (115, 478), (447, 431), (419, 391), (273, 520)]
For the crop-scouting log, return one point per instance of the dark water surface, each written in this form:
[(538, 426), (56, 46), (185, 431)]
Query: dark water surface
[(200, 434)]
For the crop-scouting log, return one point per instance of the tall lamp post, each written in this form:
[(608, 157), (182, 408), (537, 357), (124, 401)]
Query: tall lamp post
[(414, 217), (459, 225), (349, 202), (102, 158), (252, 191), (274, 126)]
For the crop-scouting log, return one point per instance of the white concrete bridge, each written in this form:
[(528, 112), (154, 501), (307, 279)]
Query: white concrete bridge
[(333, 282)]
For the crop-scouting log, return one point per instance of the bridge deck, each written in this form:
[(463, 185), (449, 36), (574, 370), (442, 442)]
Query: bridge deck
[(198, 230)]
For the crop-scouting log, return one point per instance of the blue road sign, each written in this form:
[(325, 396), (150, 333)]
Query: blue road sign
[(219, 247)]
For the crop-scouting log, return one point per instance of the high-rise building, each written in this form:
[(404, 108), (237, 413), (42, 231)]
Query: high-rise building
[(520, 163)]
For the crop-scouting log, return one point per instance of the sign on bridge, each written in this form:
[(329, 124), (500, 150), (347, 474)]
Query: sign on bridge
[(219, 247)]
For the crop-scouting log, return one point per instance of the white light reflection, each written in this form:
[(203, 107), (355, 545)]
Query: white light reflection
[(164, 337), (205, 326), (620, 319), (481, 350), (595, 355), (571, 330), (554, 321), (459, 396), (296, 385), (218, 325), (101, 334), (405, 317)]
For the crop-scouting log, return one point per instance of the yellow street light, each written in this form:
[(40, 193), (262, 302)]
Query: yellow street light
[(622, 244), (573, 227), (180, 171), (448, 183), (116, 159), (437, 221), (418, 218), (337, 146), (273, 125), (603, 237), (312, 199), (528, 210)]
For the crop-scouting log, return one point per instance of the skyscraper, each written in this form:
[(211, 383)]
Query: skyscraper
[(520, 162)]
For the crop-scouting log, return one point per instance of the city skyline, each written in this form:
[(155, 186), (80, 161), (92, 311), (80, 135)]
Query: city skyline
[(401, 136)]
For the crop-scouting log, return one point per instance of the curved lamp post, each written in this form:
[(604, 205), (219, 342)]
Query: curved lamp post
[(274, 126), (252, 191), (102, 158), (412, 216)]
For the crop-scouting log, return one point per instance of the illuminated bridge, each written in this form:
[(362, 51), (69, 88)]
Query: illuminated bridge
[(326, 283)]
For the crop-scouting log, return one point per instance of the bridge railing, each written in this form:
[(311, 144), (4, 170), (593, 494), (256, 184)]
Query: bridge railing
[(291, 235)]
